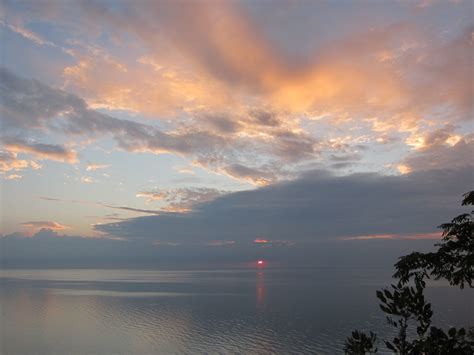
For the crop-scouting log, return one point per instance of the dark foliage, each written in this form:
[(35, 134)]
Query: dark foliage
[(361, 343), (454, 259), (405, 303)]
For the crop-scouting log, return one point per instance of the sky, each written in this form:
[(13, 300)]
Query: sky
[(229, 130)]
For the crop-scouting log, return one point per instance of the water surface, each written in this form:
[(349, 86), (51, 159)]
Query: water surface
[(249, 310)]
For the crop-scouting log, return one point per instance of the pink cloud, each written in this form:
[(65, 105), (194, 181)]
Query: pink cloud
[(434, 235)]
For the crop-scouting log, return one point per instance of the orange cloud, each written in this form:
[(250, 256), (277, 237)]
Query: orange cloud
[(188, 64), (13, 177), (42, 151), (213, 57), (209, 66), (9, 161), (204, 69), (142, 86), (94, 167), (435, 235), (181, 199), (35, 226)]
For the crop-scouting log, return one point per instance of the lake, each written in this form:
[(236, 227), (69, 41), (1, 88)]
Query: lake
[(242, 310)]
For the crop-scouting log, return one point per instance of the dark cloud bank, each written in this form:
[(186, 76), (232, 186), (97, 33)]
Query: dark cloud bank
[(310, 217)]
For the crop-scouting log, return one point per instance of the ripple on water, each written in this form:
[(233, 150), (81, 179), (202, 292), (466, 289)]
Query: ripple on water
[(191, 312)]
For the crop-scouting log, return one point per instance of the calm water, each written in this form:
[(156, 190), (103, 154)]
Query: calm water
[(219, 311)]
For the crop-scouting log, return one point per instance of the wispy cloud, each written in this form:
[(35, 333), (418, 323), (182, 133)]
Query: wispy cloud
[(40, 150), (38, 225), (42, 108), (101, 204), (132, 209), (95, 167), (87, 180), (9, 161), (403, 62), (434, 236), (182, 199), (28, 34), (12, 177)]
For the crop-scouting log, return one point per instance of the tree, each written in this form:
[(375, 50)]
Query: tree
[(361, 343), (405, 304)]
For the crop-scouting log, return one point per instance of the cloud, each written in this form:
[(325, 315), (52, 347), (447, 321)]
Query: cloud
[(87, 180), (28, 104), (49, 198), (317, 206), (41, 150), (200, 31), (256, 145), (181, 199), (12, 177), (261, 103), (263, 139), (322, 219), (95, 167), (434, 236), (38, 225), (47, 248), (185, 66), (28, 34), (342, 165), (440, 148), (9, 161), (33, 107), (101, 204), (239, 90), (259, 176), (345, 158), (191, 70), (132, 209), (412, 67)]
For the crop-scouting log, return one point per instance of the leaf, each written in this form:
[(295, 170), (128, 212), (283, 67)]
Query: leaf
[(452, 332), (390, 346)]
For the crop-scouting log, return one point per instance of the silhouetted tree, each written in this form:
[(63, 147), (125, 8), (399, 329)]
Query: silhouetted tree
[(361, 343), (405, 303), (453, 260)]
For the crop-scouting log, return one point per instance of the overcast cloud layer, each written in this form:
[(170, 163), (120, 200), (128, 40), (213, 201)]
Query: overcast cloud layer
[(286, 221), (317, 206)]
